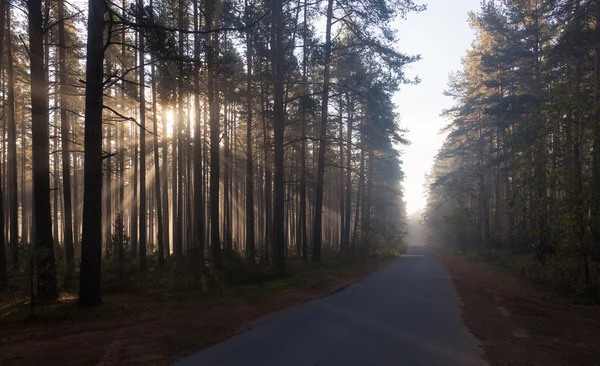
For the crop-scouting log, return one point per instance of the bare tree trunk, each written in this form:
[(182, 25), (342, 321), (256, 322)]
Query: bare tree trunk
[(65, 129), (165, 184), (3, 269), (341, 192), (3, 264), (44, 244), (135, 200), (177, 126), (278, 134), (268, 189), (212, 15), (91, 250), (348, 206), (159, 212), (12, 152), (361, 185), (198, 228), (303, 218), (250, 249), (318, 224), (121, 149), (595, 190), (368, 200), (227, 244), (143, 209)]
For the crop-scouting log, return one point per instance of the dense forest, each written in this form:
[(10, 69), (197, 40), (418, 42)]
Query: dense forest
[(196, 135), (519, 172)]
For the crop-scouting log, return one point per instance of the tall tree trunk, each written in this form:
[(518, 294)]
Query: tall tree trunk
[(278, 133), (212, 16), (12, 153), (159, 211), (318, 224), (177, 126), (165, 184), (250, 249), (348, 193), (134, 200), (65, 129), (44, 244), (341, 179), (303, 218), (227, 240), (268, 189), (143, 210), (3, 264), (91, 249), (121, 150), (198, 229)]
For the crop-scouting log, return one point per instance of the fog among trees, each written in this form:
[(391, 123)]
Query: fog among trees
[(196, 135)]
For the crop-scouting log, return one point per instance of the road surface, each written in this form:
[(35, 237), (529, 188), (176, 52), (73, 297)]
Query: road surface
[(406, 314)]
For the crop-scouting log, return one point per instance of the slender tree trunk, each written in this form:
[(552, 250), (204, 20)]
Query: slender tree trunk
[(135, 199), (303, 218), (12, 153), (278, 135), (3, 264), (595, 211), (3, 267), (341, 179), (121, 150), (143, 209), (91, 251), (65, 128), (268, 189), (157, 181), (44, 244), (198, 229), (165, 184), (318, 224), (348, 195), (359, 193), (78, 207), (250, 249), (212, 15), (177, 126), (227, 244), (368, 200)]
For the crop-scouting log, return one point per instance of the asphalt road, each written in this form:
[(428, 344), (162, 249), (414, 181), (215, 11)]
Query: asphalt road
[(406, 314)]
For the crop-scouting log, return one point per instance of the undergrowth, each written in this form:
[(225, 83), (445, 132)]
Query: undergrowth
[(559, 275), (128, 291)]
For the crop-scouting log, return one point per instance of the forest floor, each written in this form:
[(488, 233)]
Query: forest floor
[(520, 325), (136, 330)]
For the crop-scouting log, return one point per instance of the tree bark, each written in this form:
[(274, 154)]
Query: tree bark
[(278, 133), (91, 250), (143, 210), (198, 229), (65, 129), (318, 224), (12, 153), (212, 15), (44, 243), (348, 195), (3, 264), (250, 249)]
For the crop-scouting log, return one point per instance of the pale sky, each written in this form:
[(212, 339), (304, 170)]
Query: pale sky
[(441, 35)]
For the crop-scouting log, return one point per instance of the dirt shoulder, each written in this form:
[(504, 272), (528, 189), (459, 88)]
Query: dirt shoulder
[(519, 326), (159, 336)]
